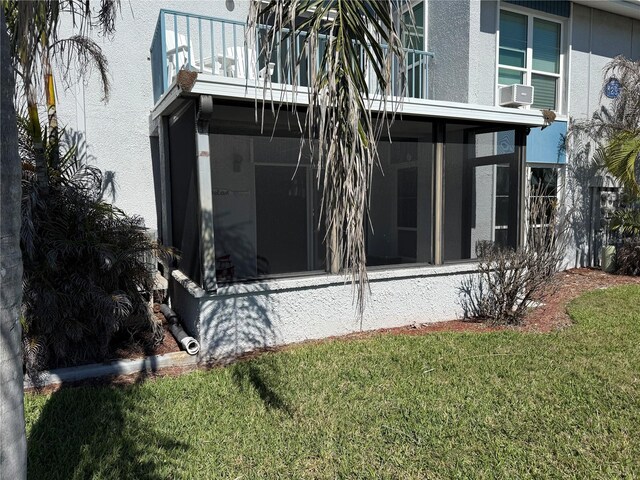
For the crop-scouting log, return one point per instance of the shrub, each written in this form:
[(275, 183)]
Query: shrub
[(509, 280), (85, 277), (628, 257)]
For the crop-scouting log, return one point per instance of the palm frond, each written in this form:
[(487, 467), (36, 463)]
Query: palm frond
[(342, 42), (620, 156)]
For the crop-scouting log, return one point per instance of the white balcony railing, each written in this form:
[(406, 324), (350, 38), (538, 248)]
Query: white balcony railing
[(217, 47)]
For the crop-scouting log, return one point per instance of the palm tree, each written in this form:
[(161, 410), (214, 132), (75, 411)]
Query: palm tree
[(28, 41), (33, 28), (353, 50), (616, 128), (13, 446)]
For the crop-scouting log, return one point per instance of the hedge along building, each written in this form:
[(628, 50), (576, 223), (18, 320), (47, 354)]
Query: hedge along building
[(253, 268)]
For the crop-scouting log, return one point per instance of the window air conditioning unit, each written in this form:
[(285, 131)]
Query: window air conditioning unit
[(516, 96)]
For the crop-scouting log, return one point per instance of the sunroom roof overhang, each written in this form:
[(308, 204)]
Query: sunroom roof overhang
[(240, 90)]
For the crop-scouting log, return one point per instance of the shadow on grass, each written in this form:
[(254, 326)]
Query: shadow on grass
[(97, 432), (250, 375)]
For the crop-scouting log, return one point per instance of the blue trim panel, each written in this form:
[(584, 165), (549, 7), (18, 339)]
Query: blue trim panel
[(561, 8), (548, 145)]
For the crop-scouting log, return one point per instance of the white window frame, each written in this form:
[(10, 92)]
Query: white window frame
[(528, 70)]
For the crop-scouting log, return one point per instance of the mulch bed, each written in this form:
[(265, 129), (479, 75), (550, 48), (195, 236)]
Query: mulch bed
[(573, 283), (551, 315), (136, 350)]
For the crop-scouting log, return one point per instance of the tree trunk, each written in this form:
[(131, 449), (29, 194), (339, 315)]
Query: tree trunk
[(13, 445)]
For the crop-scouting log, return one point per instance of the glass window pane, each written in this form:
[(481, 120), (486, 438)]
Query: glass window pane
[(502, 237), (544, 91), (413, 36), (509, 77), (502, 211), (546, 46), (513, 39), (502, 180), (544, 181), (400, 215), (479, 196)]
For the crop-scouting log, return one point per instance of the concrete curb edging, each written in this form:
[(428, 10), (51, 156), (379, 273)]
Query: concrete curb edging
[(151, 364)]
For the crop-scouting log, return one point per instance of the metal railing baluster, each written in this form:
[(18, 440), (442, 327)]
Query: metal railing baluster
[(235, 52), (213, 57), (224, 49), (200, 44), (188, 43)]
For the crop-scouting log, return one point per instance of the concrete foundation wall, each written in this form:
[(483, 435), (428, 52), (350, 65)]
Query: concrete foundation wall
[(245, 317)]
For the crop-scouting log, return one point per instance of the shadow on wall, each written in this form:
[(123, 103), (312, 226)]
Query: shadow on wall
[(83, 157), (581, 171), (241, 321), (93, 432)]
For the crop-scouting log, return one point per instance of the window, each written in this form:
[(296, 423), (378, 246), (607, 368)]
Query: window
[(400, 226), (530, 54), (480, 189), (413, 40), (266, 208), (543, 186)]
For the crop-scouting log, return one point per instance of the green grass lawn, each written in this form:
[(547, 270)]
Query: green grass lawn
[(448, 405)]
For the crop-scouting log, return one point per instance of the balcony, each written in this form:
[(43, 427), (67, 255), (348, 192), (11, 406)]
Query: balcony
[(216, 48)]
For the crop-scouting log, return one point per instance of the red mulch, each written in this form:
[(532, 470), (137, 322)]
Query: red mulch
[(135, 350), (552, 315), (549, 316)]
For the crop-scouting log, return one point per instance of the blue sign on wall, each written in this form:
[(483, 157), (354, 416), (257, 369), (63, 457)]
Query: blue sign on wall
[(612, 88), (547, 146)]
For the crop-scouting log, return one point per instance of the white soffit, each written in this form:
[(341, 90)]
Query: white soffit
[(626, 8)]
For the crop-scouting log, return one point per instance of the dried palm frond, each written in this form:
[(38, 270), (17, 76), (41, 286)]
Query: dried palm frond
[(352, 50)]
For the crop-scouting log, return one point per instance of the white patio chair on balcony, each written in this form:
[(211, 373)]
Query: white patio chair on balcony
[(241, 62), (177, 57)]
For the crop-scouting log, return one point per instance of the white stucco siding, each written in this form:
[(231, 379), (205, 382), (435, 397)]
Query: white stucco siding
[(596, 38), (482, 52), (242, 318), (448, 39), (117, 132)]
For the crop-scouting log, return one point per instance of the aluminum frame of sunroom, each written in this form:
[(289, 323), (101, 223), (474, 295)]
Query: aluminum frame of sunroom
[(193, 129)]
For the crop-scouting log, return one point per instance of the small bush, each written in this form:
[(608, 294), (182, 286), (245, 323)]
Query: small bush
[(628, 257), (85, 277), (509, 280)]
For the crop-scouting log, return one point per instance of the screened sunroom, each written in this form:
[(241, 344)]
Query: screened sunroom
[(442, 186)]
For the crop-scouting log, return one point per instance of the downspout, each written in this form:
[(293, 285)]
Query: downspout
[(190, 344)]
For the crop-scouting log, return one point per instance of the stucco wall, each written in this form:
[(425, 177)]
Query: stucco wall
[(596, 37), (448, 39), (117, 132), (246, 317), (482, 52)]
